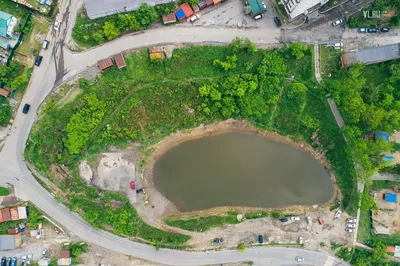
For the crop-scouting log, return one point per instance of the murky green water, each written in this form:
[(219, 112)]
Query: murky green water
[(236, 169)]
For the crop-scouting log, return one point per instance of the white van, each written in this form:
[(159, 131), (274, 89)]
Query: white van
[(194, 18), (259, 16), (45, 44)]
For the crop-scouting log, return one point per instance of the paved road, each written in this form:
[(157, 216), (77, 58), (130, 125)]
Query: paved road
[(59, 64)]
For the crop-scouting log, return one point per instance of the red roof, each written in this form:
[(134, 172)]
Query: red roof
[(105, 64), (6, 214), (187, 10), (390, 249), (4, 93), (169, 18), (209, 2), (119, 60), (65, 254)]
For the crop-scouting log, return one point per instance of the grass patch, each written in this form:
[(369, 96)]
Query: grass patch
[(4, 191), (335, 246), (329, 60), (18, 11), (345, 253), (383, 184)]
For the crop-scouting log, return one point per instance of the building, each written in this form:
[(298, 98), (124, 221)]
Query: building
[(64, 259), (44, 262), (202, 4), (105, 64), (395, 250), (103, 8), (187, 10), (13, 214), (256, 6), (371, 55), (4, 93), (297, 8), (7, 24), (180, 15), (390, 197), (10, 241), (169, 18), (119, 61)]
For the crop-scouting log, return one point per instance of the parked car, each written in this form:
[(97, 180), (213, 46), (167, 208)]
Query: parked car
[(294, 218), (351, 225), (57, 25), (14, 261), (218, 240), (337, 214), (337, 22), (372, 30), (3, 261), (140, 190), (29, 260), (385, 30), (259, 16), (351, 220), (349, 230), (299, 258), (38, 60), (283, 220), (260, 239), (264, 5), (362, 30), (320, 221), (277, 22), (44, 252), (132, 184), (301, 240), (9, 261), (45, 44), (194, 18), (309, 221), (25, 110)]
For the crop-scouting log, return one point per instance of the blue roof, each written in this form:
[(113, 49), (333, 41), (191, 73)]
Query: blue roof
[(385, 136), (391, 197), (180, 14)]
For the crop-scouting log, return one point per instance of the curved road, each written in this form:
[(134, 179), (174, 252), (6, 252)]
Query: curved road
[(59, 64)]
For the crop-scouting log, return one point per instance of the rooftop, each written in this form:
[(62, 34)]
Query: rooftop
[(169, 18), (256, 6), (5, 20), (303, 7), (372, 55), (119, 60)]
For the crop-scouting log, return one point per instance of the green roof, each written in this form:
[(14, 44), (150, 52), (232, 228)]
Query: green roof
[(4, 18), (256, 6)]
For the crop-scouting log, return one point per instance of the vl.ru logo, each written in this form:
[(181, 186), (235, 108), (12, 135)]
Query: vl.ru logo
[(372, 13)]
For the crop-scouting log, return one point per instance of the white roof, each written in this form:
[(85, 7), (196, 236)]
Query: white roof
[(22, 212)]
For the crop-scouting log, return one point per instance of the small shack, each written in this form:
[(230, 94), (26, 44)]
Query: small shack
[(119, 61), (202, 4), (187, 10), (169, 18), (210, 2), (64, 259), (394, 249), (5, 213), (180, 15), (4, 93), (8, 242), (390, 197), (195, 8), (105, 64)]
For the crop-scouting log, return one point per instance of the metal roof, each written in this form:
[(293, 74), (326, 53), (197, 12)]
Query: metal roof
[(4, 18), (105, 64), (256, 6), (373, 55), (102, 8), (397, 251), (119, 60), (9, 241)]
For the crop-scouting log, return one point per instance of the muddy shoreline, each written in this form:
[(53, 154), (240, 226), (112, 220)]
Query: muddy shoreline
[(231, 125)]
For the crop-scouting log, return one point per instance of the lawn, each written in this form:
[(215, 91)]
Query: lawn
[(329, 59), (18, 11), (382, 184)]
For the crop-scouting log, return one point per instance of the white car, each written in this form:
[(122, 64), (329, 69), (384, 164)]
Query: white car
[(309, 220), (337, 22), (299, 258), (337, 214), (57, 25), (349, 230), (351, 220), (264, 5), (301, 240), (194, 18), (259, 16), (294, 218), (350, 225)]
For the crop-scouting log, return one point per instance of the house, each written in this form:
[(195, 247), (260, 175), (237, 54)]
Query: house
[(180, 15), (10, 241), (296, 8), (64, 259), (169, 18), (119, 61), (371, 55), (105, 64), (4, 93), (395, 250), (187, 10), (7, 24)]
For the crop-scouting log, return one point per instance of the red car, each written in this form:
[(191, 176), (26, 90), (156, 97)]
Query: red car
[(132, 185), (320, 221)]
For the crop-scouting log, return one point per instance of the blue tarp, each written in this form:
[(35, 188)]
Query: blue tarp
[(180, 14), (385, 136), (389, 159), (390, 197)]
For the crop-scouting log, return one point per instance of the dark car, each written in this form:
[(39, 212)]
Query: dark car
[(372, 30), (140, 190), (218, 240), (9, 261), (277, 22), (260, 239), (38, 60), (283, 220), (385, 29), (14, 261), (3, 261), (362, 30), (25, 110)]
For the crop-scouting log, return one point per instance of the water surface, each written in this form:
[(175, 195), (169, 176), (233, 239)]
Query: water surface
[(236, 169)]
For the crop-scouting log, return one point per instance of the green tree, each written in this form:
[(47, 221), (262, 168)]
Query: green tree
[(230, 62), (20, 82), (298, 49), (5, 113), (310, 122), (110, 30), (297, 92), (146, 15), (272, 64), (241, 247), (250, 46)]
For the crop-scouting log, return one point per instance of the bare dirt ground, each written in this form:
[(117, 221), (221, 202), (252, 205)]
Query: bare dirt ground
[(388, 214)]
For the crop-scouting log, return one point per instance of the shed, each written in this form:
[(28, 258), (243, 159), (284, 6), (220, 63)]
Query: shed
[(64, 259), (14, 214), (383, 135), (119, 61), (169, 18), (22, 212), (389, 197), (10, 241), (105, 64), (180, 15), (187, 10), (217, 2), (6, 214), (44, 262), (256, 7), (12, 231), (195, 8), (210, 2), (4, 93), (202, 4)]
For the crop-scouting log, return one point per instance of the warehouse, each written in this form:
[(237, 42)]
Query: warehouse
[(371, 55)]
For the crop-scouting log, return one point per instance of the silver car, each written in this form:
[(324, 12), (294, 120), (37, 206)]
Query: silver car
[(351, 220), (350, 225), (299, 258)]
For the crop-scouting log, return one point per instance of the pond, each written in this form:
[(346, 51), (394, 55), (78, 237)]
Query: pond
[(237, 169)]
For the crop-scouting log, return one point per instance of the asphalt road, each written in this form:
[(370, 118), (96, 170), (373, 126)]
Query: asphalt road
[(60, 64)]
